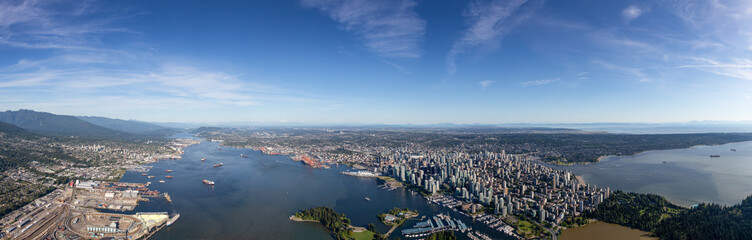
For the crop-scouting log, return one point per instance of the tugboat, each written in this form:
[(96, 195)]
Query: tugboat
[(218, 165), (207, 182)]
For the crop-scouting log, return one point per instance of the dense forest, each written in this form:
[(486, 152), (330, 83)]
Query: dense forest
[(336, 222), (650, 212), (709, 221), (641, 211), (443, 235)]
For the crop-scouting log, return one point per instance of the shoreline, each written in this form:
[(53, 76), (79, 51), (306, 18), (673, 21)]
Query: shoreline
[(647, 151), (297, 219)]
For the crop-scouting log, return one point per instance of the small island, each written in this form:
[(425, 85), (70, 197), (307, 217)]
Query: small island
[(337, 223)]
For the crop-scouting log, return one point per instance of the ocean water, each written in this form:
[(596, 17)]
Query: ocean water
[(684, 176), (253, 197)]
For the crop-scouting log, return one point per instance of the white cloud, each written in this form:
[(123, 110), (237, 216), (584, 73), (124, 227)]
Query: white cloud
[(390, 28), (538, 82), (489, 22), (46, 25), (736, 68), (632, 12), (485, 84)]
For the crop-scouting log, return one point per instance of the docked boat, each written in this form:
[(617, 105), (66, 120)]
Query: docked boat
[(207, 182), (218, 165), (173, 219), (219, 148)]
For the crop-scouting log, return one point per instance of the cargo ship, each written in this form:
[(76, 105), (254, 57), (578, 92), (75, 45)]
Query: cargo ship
[(203, 159), (218, 165), (243, 155), (207, 182)]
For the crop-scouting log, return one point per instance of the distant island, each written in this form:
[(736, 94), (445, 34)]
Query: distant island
[(337, 223)]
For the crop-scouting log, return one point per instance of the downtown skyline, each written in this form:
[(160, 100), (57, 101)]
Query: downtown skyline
[(380, 62)]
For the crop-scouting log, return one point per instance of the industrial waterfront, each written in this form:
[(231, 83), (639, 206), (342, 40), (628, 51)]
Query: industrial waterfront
[(253, 197)]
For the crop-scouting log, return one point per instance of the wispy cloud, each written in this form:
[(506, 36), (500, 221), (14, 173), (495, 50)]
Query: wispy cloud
[(489, 22), (534, 83), (582, 76), (485, 84), (632, 12), (736, 68), (53, 25), (79, 69), (390, 28)]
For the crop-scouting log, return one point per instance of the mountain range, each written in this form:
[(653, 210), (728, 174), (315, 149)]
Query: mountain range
[(100, 127)]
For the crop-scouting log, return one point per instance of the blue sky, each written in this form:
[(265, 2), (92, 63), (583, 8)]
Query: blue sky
[(330, 61)]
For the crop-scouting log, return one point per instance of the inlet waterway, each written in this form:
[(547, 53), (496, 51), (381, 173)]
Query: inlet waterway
[(683, 176), (253, 197)]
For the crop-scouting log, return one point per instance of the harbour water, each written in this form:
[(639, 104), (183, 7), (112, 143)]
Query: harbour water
[(683, 176), (253, 197)]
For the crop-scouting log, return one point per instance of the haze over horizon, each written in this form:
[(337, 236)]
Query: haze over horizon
[(385, 62)]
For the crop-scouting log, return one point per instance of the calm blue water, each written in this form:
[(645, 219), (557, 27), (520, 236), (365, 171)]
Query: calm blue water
[(253, 197), (688, 176)]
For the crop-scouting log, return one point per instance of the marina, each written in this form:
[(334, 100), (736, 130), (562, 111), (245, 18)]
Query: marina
[(440, 222)]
